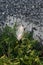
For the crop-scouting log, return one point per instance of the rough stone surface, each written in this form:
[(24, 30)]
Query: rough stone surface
[(28, 12)]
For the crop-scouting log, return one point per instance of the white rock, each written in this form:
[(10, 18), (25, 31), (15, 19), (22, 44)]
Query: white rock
[(19, 32)]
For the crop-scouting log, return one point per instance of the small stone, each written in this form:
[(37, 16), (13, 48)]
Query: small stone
[(33, 6), (3, 13)]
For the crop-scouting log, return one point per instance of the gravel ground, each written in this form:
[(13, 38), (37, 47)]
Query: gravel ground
[(27, 12)]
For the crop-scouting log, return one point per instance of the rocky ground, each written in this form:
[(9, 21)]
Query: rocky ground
[(27, 12)]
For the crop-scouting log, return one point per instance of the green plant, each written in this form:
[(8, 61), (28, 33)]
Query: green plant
[(23, 52)]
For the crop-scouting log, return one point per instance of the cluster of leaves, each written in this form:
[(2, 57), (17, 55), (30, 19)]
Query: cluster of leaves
[(27, 51)]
